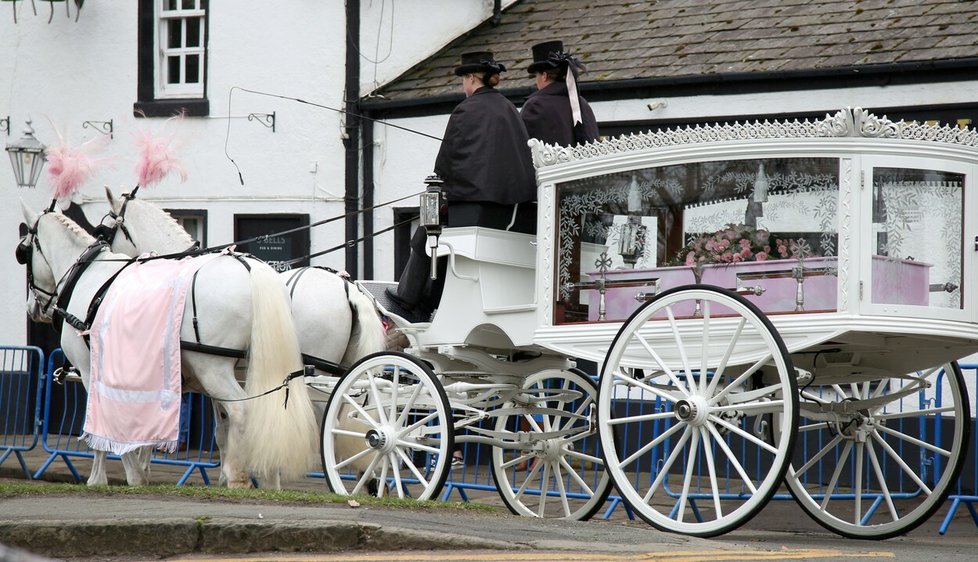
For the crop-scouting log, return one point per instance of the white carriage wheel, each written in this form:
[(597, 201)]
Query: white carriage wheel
[(563, 476), (876, 458), (687, 394), (387, 430)]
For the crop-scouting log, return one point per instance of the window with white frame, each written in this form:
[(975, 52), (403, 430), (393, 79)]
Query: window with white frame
[(180, 40), (172, 58)]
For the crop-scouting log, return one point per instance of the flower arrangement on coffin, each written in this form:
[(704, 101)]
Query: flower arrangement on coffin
[(735, 243)]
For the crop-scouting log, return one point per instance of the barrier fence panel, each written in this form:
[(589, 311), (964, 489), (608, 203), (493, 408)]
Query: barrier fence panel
[(21, 396), (966, 492), (64, 418)]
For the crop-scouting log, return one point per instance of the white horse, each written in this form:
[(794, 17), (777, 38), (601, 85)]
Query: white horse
[(237, 309), (335, 321)]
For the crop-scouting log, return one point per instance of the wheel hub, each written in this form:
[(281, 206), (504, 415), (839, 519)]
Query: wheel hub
[(379, 440), (692, 410)]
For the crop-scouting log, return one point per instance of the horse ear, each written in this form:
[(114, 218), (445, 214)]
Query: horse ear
[(30, 217)]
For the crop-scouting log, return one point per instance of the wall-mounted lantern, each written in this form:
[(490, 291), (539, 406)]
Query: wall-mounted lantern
[(27, 158)]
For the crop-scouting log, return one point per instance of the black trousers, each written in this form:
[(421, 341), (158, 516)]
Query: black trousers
[(415, 287)]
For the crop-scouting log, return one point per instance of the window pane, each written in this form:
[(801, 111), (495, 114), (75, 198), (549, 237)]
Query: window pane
[(193, 69), (770, 223), (189, 4), (172, 4), (173, 70), (194, 26), (917, 221), (174, 34)]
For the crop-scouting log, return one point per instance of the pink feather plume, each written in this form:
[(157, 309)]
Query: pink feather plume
[(68, 168), (157, 159)]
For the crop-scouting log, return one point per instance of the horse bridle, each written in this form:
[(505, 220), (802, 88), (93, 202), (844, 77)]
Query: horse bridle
[(64, 287), (25, 256), (108, 233)]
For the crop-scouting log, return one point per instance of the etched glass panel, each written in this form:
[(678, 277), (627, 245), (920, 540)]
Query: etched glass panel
[(917, 234), (768, 225)]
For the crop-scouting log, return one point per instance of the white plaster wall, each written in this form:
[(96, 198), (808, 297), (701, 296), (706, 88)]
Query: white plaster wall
[(67, 72)]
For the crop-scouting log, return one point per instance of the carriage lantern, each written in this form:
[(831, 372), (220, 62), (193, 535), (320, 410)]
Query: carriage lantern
[(27, 158), (430, 210)]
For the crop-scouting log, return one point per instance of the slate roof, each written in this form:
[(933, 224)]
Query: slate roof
[(622, 41)]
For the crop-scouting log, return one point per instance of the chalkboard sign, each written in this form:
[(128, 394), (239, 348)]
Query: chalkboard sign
[(278, 250)]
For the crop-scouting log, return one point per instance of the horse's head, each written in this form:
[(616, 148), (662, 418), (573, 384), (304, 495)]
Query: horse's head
[(134, 226), (42, 286), (113, 228)]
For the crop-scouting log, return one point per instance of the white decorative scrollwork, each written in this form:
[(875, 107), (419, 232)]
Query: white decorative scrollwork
[(848, 122)]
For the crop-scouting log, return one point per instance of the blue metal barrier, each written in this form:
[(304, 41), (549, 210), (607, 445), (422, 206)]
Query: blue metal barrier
[(966, 492), (21, 382), (64, 417)]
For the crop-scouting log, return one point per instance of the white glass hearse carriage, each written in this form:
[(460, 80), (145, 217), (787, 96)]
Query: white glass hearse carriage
[(769, 303)]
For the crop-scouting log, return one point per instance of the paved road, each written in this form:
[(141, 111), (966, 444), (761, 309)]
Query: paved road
[(115, 527)]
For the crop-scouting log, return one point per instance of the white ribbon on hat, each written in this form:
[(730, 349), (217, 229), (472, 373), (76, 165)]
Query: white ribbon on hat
[(573, 67)]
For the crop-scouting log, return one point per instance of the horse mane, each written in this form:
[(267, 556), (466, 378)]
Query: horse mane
[(74, 229), (176, 229)]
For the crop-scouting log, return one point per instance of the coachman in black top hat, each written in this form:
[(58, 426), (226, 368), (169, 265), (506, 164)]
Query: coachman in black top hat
[(556, 113), (485, 164)]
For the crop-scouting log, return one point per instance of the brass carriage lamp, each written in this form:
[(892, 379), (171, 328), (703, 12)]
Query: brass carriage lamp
[(27, 158)]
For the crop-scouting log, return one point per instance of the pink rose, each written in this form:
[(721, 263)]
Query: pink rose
[(690, 259), (760, 256)]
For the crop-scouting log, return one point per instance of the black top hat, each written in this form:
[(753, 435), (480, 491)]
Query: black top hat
[(545, 57), (478, 61)]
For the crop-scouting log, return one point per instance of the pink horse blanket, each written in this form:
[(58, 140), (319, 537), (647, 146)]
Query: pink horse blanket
[(134, 392)]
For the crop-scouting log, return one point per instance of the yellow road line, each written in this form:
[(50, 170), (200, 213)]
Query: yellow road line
[(547, 556)]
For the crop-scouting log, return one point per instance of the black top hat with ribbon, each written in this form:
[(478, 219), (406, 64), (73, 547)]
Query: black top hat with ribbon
[(478, 62), (548, 55)]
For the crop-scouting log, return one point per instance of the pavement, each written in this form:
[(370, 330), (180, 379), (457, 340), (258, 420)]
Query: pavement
[(108, 526)]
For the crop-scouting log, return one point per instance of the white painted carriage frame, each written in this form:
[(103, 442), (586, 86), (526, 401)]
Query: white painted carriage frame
[(861, 141)]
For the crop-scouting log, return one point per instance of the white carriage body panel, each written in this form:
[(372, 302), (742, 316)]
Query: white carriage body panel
[(883, 278)]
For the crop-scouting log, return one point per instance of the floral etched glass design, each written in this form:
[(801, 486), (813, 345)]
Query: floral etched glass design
[(770, 223), (917, 237)]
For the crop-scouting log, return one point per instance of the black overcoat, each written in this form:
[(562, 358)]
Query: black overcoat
[(484, 156), (547, 116)]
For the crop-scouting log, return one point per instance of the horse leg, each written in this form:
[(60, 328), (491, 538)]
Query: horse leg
[(136, 464), (98, 476)]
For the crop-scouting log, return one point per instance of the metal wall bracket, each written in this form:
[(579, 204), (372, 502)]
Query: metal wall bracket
[(104, 127)]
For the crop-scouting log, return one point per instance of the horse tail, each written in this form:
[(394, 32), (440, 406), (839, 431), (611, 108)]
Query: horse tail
[(280, 437), (368, 334)]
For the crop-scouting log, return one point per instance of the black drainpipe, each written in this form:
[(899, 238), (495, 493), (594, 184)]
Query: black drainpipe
[(497, 12), (368, 196), (351, 143)]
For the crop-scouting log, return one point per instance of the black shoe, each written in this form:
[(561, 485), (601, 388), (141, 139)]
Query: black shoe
[(392, 295)]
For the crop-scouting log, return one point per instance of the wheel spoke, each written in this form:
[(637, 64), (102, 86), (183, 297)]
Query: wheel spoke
[(642, 418), (732, 459), (683, 359), (410, 464), (651, 444), (420, 423), (916, 413), (688, 477), (363, 413), (367, 475), (704, 350), (576, 477), (410, 404), (741, 379), (767, 407), (859, 483), (902, 464), (745, 434), (354, 458), (375, 394), (722, 366), (584, 456), (814, 460), (835, 475), (884, 490), (395, 389), (646, 387), (418, 446), (665, 368), (705, 436), (664, 470), (915, 441)]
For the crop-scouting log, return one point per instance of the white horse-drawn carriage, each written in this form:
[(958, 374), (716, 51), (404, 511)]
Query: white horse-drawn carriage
[(772, 306)]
